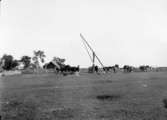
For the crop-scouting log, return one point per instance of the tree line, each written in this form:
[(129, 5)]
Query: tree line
[(8, 62)]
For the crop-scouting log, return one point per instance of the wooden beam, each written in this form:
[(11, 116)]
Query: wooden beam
[(92, 50)]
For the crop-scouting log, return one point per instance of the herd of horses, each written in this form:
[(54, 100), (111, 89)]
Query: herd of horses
[(126, 69), (67, 69)]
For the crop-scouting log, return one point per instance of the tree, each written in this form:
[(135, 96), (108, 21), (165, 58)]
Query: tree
[(116, 65), (1, 62), (26, 61), (8, 62), (38, 57), (59, 61), (14, 64)]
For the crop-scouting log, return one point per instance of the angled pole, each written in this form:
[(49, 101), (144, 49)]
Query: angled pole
[(86, 42), (99, 61), (87, 51), (92, 50)]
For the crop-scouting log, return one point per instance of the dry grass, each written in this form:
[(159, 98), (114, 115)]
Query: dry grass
[(134, 96)]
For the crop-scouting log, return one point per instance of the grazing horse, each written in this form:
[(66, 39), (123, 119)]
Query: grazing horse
[(96, 69), (128, 68), (144, 68), (69, 69), (110, 68)]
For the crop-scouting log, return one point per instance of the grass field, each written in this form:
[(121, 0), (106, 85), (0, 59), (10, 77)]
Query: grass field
[(120, 96)]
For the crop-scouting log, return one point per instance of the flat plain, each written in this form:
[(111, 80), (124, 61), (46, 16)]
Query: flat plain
[(120, 96)]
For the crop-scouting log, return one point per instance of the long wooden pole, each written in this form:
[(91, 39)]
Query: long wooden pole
[(93, 64), (92, 50), (87, 51), (86, 42)]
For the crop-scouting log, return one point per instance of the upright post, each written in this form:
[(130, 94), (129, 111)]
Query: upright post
[(94, 55), (93, 66)]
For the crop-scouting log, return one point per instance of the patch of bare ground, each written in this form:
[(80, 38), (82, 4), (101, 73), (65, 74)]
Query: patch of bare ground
[(107, 97)]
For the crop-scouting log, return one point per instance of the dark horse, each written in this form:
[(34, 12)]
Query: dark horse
[(110, 68), (96, 69), (69, 69), (127, 68)]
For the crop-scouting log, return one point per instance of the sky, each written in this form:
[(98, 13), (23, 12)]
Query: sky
[(132, 32)]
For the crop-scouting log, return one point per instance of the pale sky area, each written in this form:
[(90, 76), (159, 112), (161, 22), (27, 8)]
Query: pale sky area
[(132, 32)]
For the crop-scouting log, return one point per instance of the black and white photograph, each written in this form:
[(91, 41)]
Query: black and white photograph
[(83, 59)]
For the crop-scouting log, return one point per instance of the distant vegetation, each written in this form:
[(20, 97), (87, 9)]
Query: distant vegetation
[(7, 62), (37, 61)]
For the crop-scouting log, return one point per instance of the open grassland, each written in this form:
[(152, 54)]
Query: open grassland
[(120, 96)]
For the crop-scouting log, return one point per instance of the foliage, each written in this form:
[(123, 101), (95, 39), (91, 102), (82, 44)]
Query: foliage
[(14, 63), (116, 65), (38, 57), (59, 61), (26, 61), (9, 62)]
